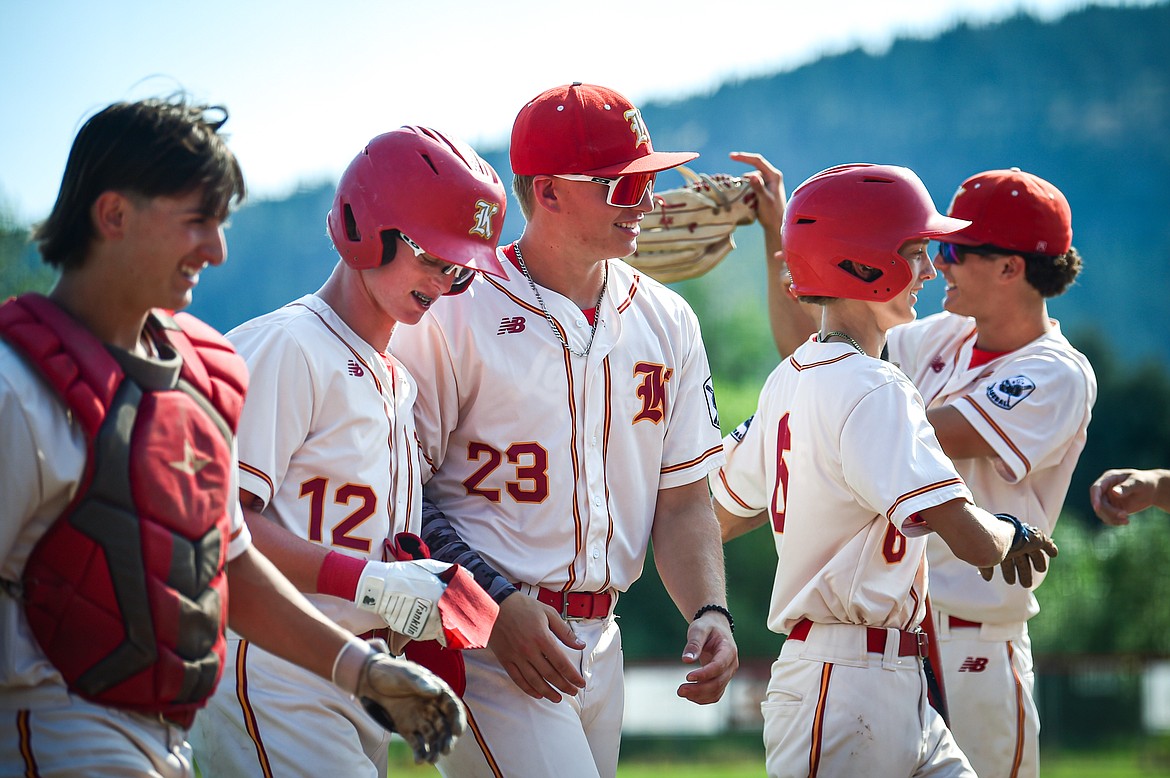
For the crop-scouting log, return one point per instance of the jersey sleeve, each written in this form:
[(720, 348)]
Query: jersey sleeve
[(278, 408), (1028, 411), (21, 475), (692, 447), (891, 457), (741, 484)]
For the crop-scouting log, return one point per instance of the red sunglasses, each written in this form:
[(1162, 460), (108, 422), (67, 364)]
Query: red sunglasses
[(624, 191)]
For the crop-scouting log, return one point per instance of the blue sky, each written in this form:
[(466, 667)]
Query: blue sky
[(307, 84)]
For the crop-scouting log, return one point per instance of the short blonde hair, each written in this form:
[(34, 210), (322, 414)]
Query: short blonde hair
[(522, 188)]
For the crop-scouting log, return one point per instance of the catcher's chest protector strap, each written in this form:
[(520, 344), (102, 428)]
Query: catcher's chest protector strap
[(126, 592)]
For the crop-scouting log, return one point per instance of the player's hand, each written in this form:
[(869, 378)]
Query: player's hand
[(405, 595), (709, 642), (526, 640), (1030, 551), (768, 184), (406, 698), (1117, 494)]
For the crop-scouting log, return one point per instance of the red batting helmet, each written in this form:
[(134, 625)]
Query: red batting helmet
[(863, 213), (429, 186)]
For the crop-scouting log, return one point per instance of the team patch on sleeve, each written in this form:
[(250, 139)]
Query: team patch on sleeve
[(738, 433), (712, 411), (1010, 391)]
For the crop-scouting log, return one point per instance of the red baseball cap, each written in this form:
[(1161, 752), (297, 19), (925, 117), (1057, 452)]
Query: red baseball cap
[(1013, 210), (582, 129)]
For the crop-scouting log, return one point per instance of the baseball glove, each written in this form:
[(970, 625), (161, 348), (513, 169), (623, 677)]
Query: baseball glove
[(408, 699), (1030, 550), (689, 231)]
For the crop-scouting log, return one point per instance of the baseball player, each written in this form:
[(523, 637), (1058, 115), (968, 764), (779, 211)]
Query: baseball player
[(1010, 400), (329, 460), (1118, 494), (119, 518), (568, 414), (840, 462)]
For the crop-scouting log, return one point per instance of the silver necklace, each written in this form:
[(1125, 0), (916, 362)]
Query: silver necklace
[(548, 316), (840, 334)]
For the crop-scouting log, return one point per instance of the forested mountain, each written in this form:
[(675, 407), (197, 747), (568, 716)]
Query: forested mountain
[(1083, 101)]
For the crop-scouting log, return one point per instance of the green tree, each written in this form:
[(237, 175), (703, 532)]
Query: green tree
[(19, 269)]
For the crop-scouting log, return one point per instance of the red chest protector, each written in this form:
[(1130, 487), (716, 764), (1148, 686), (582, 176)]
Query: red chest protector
[(126, 593)]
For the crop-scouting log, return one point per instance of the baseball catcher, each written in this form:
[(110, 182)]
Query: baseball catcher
[(690, 229)]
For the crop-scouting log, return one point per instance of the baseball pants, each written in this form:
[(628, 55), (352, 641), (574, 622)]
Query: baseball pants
[(511, 734), (989, 678), (834, 709)]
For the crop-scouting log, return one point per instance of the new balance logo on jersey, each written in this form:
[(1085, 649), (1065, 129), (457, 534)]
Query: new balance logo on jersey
[(937, 364), (354, 369), (973, 664), (510, 326)]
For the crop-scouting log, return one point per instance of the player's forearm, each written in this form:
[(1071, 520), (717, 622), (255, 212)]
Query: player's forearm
[(974, 535), (446, 545), (688, 550), (266, 609), (732, 526), (1161, 480), (791, 322), (297, 559)]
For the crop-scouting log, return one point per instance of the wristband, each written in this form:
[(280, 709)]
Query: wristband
[(719, 609), (1021, 531), (339, 575)]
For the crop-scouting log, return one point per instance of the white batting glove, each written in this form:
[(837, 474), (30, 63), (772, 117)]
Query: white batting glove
[(405, 595)]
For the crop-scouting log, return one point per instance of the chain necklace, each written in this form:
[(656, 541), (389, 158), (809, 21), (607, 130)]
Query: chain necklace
[(840, 334), (548, 316)]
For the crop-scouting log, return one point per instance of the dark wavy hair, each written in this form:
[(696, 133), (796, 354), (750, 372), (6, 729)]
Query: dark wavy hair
[(149, 148)]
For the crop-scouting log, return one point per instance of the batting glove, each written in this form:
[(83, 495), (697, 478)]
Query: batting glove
[(405, 595)]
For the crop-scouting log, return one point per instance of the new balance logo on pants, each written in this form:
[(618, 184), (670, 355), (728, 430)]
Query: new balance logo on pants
[(973, 664)]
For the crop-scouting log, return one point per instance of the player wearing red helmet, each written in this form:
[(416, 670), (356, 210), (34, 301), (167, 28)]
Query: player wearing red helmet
[(994, 369), (329, 463), (840, 462)]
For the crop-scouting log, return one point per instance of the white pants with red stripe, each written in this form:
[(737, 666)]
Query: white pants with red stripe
[(834, 709), (512, 734), (989, 678), (269, 717), (82, 738)]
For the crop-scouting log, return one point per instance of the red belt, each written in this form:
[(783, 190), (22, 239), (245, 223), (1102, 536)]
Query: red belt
[(577, 605), (955, 621), (909, 643)]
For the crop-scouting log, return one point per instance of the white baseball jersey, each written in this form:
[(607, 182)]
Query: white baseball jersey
[(45, 455), (840, 456), (327, 443), (1033, 407), (327, 437), (547, 464), (550, 465)]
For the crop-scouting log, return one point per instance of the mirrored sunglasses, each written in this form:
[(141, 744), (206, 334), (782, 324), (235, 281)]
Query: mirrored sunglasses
[(950, 253), (624, 191), (460, 273)]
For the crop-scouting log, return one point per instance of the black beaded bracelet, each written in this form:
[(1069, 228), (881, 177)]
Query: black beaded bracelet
[(720, 609)]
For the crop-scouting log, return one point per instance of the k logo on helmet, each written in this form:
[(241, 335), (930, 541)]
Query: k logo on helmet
[(484, 211)]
